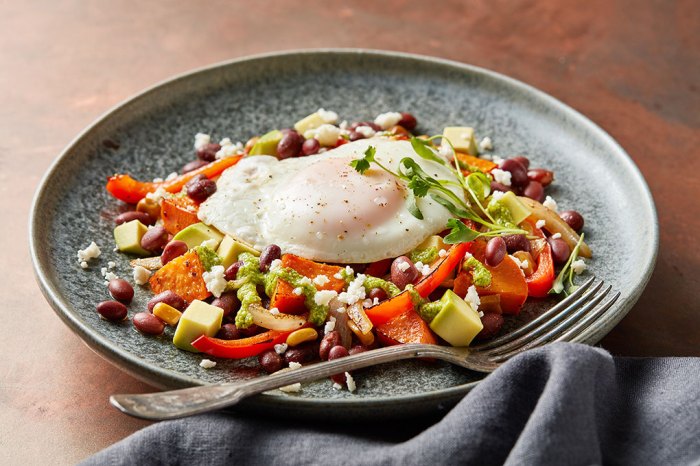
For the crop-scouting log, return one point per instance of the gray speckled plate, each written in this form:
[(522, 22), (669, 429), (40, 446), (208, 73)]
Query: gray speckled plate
[(245, 97)]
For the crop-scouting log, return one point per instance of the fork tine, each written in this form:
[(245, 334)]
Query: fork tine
[(575, 331), (563, 304), (538, 338)]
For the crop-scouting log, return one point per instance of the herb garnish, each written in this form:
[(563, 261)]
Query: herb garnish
[(567, 274)]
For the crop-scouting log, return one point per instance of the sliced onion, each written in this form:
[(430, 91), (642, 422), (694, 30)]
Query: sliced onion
[(555, 224), (337, 310), (282, 322), (357, 314), (148, 263)]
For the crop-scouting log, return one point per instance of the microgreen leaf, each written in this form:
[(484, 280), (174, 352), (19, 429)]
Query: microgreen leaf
[(454, 210), (362, 165), (412, 206), (422, 148), (419, 186), (567, 273), (460, 233), (479, 184)]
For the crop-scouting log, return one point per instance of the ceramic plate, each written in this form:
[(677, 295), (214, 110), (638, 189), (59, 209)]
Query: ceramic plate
[(151, 135)]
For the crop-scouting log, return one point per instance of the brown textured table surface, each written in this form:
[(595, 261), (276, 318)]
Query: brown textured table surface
[(633, 67)]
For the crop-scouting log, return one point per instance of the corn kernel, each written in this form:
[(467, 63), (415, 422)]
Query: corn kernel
[(167, 313), (298, 337)]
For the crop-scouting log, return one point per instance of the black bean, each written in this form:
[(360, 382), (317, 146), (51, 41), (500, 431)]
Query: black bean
[(404, 272), (228, 302), (112, 310), (560, 250), (516, 243), (495, 251), (200, 188), (573, 219), (356, 136), (495, 186), (290, 145), (121, 290), (492, 323), (154, 239), (330, 340), (518, 173), (310, 147), (147, 323), (168, 297), (408, 121), (305, 352), (336, 352), (172, 250), (525, 162), (194, 165), (268, 255), (208, 152), (534, 190), (378, 294), (232, 270), (228, 332), (270, 361), (357, 349), (142, 217)]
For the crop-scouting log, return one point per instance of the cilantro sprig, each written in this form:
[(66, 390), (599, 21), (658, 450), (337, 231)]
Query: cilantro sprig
[(564, 283)]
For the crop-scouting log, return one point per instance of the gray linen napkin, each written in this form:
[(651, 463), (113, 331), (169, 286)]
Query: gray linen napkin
[(561, 404)]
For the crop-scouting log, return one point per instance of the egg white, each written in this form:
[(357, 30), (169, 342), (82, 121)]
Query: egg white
[(320, 208)]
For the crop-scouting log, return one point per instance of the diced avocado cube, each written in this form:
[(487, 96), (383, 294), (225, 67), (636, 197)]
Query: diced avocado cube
[(198, 233), (308, 123), (267, 144), (198, 319), (230, 249), (518, 210), (462, 139), (128, 237), (456, 323)]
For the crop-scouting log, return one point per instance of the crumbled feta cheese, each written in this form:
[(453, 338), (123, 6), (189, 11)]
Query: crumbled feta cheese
[(578, 266), (496, 159), (229, 150), (281, 348), (293, 388), (351, 382), (481, 313), (157, 180), (225, 142), (338, 275), (442, 253), (485, 144), (110, 276), (367, 303), (540, 224), (375, 301), (297, 291), (343, 124), (201, 140), (294, 365), (337, 386), (424, 269), (157, 195), (472, 298), (556, 235), (496, 195), (522, 264), (275, 264), (387, 120), (330, 325), (550, 203), (321, 280), (365, 131), (141, 275), (84, 264), (323, 297), (327, 135), (305, 281), (356, 291), (327, 116), (403, 266), (111, 264), (501, 176), (90, 252), (171, 176), (274, 311), (215, 281), (207, 363), (349, 271)]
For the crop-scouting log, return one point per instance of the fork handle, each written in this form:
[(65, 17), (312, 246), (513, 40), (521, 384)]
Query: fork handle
[(175, 404)]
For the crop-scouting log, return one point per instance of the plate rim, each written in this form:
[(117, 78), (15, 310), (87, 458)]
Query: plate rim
[(135, 366)]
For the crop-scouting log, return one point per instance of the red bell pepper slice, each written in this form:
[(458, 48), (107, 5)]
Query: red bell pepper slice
[(131, 191), (242, 348), (541, 280), (402, 302)]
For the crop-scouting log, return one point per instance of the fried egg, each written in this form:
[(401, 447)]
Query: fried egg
[(320, 208)]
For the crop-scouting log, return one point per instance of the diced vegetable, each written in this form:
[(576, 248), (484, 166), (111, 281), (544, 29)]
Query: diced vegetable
[(507, 280), (462, 138), (540, 281), (457, 322), (198, 233), (282, 322), (183, 276), (178, 213), (128, 237), (129, 190), (467, 160), (198, 319), (407, 327), (242, 348), (390, 308), (230, 249), (555, 224)]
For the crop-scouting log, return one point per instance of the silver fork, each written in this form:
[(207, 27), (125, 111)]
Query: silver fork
[(564, 322)]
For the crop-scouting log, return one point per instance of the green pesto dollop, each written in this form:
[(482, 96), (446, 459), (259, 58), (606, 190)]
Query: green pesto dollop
[(247, 281), (429, 310), (480, 274), (500, 213), (317, 312), (373, 282), (208, 257), (426, 256)]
